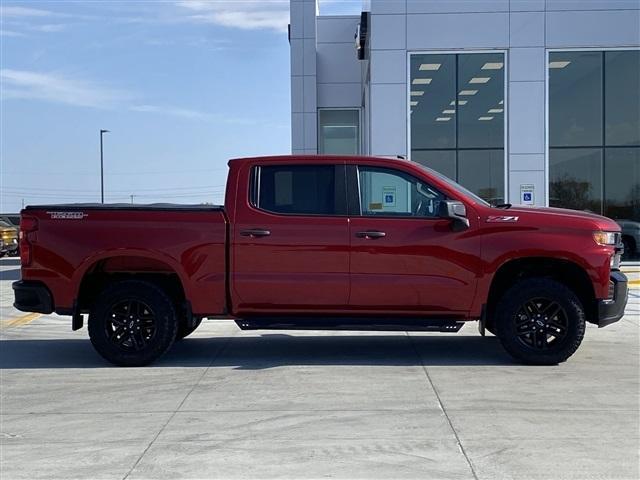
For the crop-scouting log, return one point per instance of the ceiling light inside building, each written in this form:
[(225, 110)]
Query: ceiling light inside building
[(430, 66), (501, 102), (479, 79), (421, 81), (492, 66), (413, 103), (558, 64), (449, 112), (468, 92), (495, 110), (484, 119), (443, 119), (417, 93)]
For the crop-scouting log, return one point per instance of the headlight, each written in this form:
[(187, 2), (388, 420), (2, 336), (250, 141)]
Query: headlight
[(605, 238)]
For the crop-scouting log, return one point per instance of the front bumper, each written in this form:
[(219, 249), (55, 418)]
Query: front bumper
[(612, 309), (32, 297)]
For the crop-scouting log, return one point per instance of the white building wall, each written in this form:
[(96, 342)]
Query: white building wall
[(302, 40), (524, 29), (339, 71)]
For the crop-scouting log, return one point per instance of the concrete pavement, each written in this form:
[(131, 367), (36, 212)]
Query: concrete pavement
[(230, 404)]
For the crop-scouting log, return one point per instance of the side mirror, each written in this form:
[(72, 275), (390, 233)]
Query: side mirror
[(455, 211)]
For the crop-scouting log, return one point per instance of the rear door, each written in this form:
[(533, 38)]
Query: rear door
[(291, 240), (404, 258)]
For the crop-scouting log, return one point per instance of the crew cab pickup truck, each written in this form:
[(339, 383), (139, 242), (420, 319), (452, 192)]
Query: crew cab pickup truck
[(324, 242)]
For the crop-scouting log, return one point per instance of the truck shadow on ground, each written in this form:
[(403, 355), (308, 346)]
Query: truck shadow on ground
[(272, 350)]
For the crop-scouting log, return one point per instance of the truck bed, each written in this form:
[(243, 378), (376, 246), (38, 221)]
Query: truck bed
[(95, 239)]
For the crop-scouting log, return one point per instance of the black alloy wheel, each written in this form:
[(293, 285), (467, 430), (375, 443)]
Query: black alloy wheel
[(541, 323), (131, 325)]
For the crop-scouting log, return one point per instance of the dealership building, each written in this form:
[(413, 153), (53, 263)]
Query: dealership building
[(521, 101)]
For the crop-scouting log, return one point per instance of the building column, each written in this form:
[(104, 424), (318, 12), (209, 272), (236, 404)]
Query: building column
[(304, 118)]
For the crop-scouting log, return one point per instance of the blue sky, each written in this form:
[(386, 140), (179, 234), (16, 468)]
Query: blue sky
[(183, 86)]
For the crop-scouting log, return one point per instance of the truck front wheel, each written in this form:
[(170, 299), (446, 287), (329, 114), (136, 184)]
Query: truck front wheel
[(132, 323), (540, 321)]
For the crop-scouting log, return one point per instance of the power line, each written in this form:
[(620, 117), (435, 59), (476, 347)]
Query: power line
[(88, 196), (106, 174), (157, 189)]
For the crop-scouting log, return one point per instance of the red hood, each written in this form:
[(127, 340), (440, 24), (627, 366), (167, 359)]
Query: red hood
[(573, 218)]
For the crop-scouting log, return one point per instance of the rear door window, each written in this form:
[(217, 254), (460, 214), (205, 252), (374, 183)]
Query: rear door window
[(297, 189)]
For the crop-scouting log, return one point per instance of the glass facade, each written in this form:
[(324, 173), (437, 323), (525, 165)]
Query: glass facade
[(339, 132), (594, 132), (456, 104)]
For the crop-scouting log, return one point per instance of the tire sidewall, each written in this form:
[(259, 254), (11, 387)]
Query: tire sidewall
[(165, 322), (526, 290)]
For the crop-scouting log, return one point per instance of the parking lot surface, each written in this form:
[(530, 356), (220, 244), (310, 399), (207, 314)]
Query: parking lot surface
[(230, 404)]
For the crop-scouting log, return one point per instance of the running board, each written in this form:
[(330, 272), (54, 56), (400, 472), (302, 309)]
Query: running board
[(359, 323)]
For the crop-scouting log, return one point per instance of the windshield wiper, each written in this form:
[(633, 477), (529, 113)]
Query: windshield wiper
[(502, 205)]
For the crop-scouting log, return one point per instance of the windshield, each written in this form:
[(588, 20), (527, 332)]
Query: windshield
[(4, 224), (455, 186)]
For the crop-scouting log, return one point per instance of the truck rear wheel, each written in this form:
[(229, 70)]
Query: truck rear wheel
[(132, 323), (540, 321)]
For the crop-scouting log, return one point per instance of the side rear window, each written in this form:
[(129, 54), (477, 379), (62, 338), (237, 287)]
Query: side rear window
[(296, 189)]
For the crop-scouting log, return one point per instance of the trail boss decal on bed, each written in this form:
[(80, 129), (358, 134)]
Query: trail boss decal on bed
[(501, 218), (67, 215)]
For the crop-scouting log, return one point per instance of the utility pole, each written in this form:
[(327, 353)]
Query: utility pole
[(102, 132), (132, 195)]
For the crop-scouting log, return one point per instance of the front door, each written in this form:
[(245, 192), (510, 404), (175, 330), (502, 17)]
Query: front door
[(291, 242), (404, 259)]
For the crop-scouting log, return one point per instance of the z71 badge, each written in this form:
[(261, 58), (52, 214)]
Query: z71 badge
[(501, 218), (67, 215)]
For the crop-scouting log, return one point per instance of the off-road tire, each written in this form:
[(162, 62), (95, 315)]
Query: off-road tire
[(160, 312), (184, 330), (512, 333)]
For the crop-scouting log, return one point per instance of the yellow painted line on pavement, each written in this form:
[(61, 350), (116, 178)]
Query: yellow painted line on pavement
[(22, 320), (634, 283)]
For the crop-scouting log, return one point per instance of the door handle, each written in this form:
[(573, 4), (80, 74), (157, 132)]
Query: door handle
[(255, 232), (373, 234)]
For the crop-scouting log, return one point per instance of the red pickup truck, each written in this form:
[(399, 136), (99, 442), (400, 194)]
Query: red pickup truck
[(324, 242)]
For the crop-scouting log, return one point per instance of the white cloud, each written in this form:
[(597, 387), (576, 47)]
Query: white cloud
[(49, 27), (6, 11), (11, 33), (244, 14), (51, 87), (191, 114), (173, 111)]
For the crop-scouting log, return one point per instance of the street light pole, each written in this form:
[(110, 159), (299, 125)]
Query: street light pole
[(102, 132)]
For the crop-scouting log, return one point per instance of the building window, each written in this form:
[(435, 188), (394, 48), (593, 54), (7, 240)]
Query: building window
[(594, 132), (339, 131), (456, 105)]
